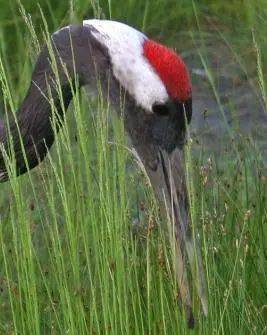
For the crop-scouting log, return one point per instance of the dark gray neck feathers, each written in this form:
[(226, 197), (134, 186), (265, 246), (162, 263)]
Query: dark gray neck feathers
[(70, 45)]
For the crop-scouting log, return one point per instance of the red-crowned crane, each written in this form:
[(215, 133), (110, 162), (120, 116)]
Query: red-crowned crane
[(157, 108)]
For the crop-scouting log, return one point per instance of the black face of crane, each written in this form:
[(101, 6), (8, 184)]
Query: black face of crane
[(169, 123), (163, 129), (158, 138), (174, 108)]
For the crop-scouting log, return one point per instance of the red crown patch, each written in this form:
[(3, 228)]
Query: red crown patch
[(171, 69)]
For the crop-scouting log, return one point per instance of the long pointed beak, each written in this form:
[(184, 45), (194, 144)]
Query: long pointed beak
[(169, 183)]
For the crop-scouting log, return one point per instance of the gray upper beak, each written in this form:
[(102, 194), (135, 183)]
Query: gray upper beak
[(169, 183)]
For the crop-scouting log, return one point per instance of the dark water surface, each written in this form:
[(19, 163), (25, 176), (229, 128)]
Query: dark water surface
[(229, 105)]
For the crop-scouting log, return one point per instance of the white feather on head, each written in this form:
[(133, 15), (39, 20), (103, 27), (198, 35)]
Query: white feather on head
[(130, 67)]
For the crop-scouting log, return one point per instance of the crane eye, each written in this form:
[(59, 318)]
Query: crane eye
[(161, 109)]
